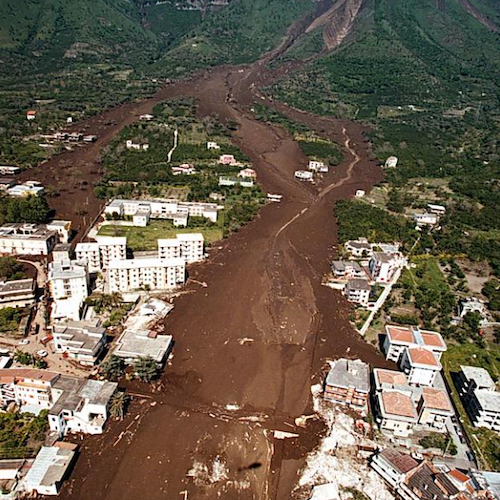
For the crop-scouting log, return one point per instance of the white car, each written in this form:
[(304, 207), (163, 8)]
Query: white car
[(24, 342), (42, 353)]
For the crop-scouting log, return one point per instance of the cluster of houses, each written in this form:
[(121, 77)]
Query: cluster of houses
[(369, 264), (11, 187), (429, 218), (314, 167)]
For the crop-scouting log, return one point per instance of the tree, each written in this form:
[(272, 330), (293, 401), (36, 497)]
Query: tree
[(145, 368), (11, 269), (118, 404), (113, 368)]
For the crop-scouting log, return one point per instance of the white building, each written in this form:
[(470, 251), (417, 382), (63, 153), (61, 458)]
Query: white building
[(383, 266), (151, 273), (425, 219), (481, 399), (49, 470), (472, 305), (436, 209), (225, 180), (421, 366), (360, 193), (396, 411), (68, 285), (359, 248), (8, 170), (147, 117), (304, 175), (62, 228), (29, 188), (228, 160), (187, 246), (184, 169), (134, 344), (357, 291), (79, 340), (27, 239), (17, 293), (315, 166), (248, 173), (345, 269), (393, 466), (391, 162), (62, 251), (136, 147), (89, 254), (111, 248), (212, 145)]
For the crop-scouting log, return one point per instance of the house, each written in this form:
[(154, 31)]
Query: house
[(360, 193), (146, 117), (434, 408), (135, 146), (395, 411), (8, 170), (187, 246), (436, 209), (68, 285), (29, 188), (248, 173), (228, 160), (345, 269), (359, 248), (400, 338), (304, 175), (31, 115), (151, 273), (80, 405), (17, 293), (421, 366), (384, 266), (348, 383), (212, 145), (235, 181), (133, 344), (393, 466), (184, 169), (6, 183), (425, 219), (472, 305), (315, 165), (274, 197), (391, 162), (27, 239), (62, 228), (142, 216), (89, 138), (49, 470), (357, 291), (78, 340), (481, 399), (62, 251)]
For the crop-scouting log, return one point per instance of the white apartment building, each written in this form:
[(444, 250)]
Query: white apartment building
[(357, 291), (481, 399), (111, 248), (396, 412), (68, 285), (383, 266), (359, 248), (62, 228), (62, 251), (187, 246), (420, 365), (17, 293), (27, 239), (89, 254), (79, 340), (152, 273), (345, 269)]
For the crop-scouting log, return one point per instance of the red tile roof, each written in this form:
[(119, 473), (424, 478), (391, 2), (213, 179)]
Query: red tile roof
[(436, 399), (397, 403), (8, 375), (459, 476), (400, 334), (390, 377), (433, 339), (401, 461), (421, 356)]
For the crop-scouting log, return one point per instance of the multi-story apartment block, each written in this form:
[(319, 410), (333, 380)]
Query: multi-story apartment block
[(348, 383), (111, 248), (89, 254), (187, 246), (345, 269), (17, 293), (384, 266), (420, 365), (27, 239), (357, 291), (359, 248), (154, 274)]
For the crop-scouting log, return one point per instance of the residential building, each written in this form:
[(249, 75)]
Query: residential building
[(472, 305), (68, 285), (111, 248), (17, 293), (184, 169), (28, 188), (383, 266), (62, 251), (358, 291), (359, 248), (345, 269), (187, 246), (79, 340), (360, 193), (481, 399), (227, 160), (8, 170), (135, 146), (225, 180), (152, 273), (212, 145), (304, 175), (80, 405), (434, 408), (31, 115), (391, 162), (436, 209), (315, 166), (248, 173), (146, 117), (393, 466), (27, 239), (133, 344), (62, 228), (348, 383), (425, 219), (49, 469), (395, 411), (90, 255), (6, 183), (400, 338), (421, 366)]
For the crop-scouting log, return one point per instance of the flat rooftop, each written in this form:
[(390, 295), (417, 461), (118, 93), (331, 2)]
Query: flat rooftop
[(139, 343), (349, 373)]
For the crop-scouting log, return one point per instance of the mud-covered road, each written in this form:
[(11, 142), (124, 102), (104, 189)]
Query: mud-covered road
[(250, 344)]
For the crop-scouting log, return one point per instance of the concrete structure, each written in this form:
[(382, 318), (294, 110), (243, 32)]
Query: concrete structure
[(391, 162), (481, 399), (151, 273), (436, 209), (17, 293), (177, 211), (184, 169), (146, 117), (360, 193), (80, 405), (111, 248), (49, 470), (345, 269), (31, 115), (68, 285), (396, 411), (134, 344), (135, 146), (393, 466), (304, 175), (79, 340), (62, 251), (357, 291), (359, 248), (348, 383), (62, 228), (472, 305), (425, 219), (212, 145), (316, 166), (28, 188), (27, 239), (225, 180), (9, 170), (227, 160), (6, 183), (383, 266), (187, 246), (400, 338), (90, 255), (248, 173), (420, 365)]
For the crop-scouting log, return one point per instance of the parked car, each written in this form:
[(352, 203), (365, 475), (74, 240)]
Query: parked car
[(42, 354), (24, 342)]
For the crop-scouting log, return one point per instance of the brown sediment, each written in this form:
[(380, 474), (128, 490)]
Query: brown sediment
[(249, 346)]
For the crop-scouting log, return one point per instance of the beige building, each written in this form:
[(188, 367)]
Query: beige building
[(187, 246)]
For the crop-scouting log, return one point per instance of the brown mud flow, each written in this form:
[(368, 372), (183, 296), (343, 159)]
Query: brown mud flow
[(249, 345)]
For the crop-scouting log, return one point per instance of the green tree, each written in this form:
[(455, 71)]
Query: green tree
[(145, 368), (113, 368), (118, 404), (11, 269)]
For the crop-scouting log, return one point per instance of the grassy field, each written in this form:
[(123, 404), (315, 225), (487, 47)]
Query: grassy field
[(486, 443), (144, 238)]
